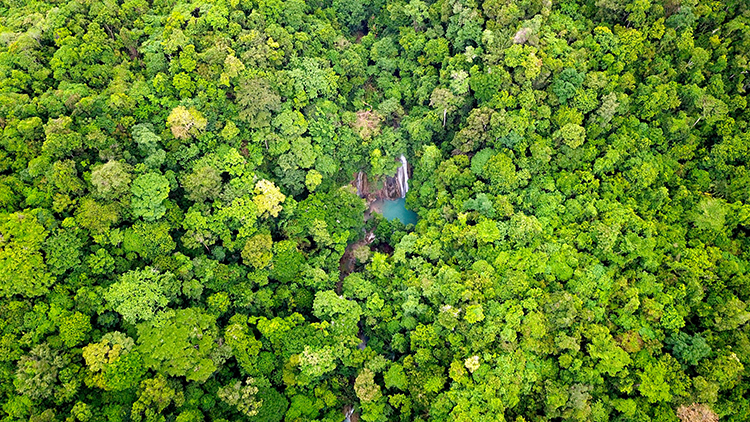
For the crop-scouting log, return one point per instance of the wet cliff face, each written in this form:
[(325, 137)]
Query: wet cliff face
[(393, 187), (360, 182)]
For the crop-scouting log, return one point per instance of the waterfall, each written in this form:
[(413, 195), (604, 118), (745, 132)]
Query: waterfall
[(403, 177), (348, 414)]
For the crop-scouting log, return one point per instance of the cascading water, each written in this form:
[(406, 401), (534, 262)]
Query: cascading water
[(403, 177), (391, 202)]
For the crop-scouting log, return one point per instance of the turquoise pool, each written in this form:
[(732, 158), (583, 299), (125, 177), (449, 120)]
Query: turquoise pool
[(395, 209)]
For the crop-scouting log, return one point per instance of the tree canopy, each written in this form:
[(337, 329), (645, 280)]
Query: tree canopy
[(189, 229)]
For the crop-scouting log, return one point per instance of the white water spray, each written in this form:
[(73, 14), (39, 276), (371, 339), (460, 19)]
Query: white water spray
[(403, 177)]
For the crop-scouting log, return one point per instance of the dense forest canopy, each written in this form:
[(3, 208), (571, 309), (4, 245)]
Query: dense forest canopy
[(176, 210)]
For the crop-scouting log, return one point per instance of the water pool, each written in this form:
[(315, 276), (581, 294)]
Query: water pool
[(395, 209)]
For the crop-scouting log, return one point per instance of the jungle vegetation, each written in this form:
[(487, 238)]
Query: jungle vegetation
[(175, 203)]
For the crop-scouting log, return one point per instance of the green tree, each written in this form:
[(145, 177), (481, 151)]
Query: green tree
[(689, 349), (351, 13), (96, 216), (274, 405), (203, 183), (37, 374), (63, 251), (287, 260), (155, 395), (571, 135), (316, 362), (149, 191), (344, 313), (365, 387), (74, 328), (111, 180), (257, 100), (501, 172), (182, 344), (710, 214), (60, 137), (313, 179), (149, 240), (112, 363), (654, 383), (239, 336), (64, 176), (138, 295), (22, 267)]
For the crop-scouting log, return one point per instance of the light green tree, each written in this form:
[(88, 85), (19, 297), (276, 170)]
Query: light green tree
[(185, 122), (258, 251), (242, 397), (138, 295), (268, 198)]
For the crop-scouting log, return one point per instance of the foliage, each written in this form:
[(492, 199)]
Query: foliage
[(181, 344), (188, 229), (149, 193), (185, 122), (241, 397), (138, 295), (22, 267)]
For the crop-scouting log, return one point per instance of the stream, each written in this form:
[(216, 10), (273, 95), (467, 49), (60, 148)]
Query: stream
[(390, 202)]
